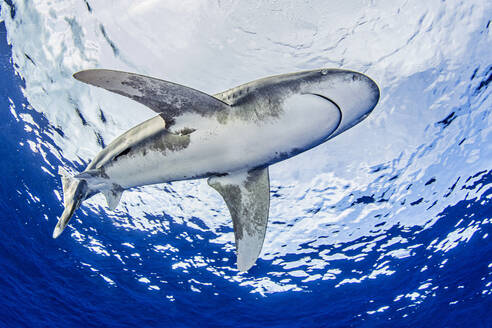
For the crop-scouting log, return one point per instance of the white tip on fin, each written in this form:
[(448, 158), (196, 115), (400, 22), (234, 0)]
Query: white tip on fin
[(247, 195), (113, 197)]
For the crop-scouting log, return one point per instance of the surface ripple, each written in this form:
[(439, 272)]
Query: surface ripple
[(387, 223)]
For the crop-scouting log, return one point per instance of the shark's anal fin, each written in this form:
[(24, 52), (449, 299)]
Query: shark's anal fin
[(113, 197), (247, 195)]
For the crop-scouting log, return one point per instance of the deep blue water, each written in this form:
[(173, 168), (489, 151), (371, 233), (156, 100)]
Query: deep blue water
[(55, 283)]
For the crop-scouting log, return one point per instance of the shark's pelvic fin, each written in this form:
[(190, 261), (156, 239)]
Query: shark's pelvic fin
[(168, 99), (113, 197), (247, 195)]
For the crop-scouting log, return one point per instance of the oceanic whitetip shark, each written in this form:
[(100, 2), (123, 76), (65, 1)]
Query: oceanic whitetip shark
[(230, 138)]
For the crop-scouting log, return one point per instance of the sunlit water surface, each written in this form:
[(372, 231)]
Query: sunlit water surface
[(386, 224)]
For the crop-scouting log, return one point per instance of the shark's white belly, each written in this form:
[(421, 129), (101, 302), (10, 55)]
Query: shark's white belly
[(237, 144)]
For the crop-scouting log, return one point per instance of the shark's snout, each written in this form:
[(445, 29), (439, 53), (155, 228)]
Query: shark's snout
[(367, 91), (355, 94)]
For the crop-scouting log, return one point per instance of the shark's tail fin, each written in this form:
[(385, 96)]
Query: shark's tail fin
[(74, 192), (66, 180)]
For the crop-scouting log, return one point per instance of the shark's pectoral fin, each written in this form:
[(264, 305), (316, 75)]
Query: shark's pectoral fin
[(247, 195), (168, 99), (113, 197)]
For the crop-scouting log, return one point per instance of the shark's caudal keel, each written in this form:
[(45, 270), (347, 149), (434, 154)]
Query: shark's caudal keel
[(230, 138)]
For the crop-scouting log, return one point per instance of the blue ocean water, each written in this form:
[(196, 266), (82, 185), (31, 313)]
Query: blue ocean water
[(102, 274)]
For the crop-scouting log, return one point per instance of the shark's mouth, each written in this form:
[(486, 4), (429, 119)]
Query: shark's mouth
[(337, 107)]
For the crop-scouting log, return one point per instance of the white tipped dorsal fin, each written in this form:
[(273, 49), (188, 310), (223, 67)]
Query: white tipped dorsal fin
[(113, 197), (247, 195), (169, 99)]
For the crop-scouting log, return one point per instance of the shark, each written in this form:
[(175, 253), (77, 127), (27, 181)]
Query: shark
[(230, 138)]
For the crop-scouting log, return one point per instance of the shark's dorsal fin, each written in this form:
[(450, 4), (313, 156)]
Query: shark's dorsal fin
[(113, 197), (247, 195), (169, 99)]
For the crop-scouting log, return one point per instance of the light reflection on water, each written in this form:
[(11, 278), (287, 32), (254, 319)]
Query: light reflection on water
[(399, 192)]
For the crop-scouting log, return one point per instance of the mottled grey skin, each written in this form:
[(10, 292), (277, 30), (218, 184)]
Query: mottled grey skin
[(249, 212), (262, 99), (139, 140), (258, 204)]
